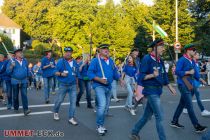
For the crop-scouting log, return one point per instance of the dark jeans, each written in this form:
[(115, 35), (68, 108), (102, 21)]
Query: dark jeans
[(23, 90), (9, 93), (84, 84), (185, 101)]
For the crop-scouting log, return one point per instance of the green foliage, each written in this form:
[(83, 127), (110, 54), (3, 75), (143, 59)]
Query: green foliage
[(81, 22), (7, 42)]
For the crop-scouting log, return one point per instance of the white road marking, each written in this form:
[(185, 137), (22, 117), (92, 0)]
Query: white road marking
[(21, 114), (49, 105)]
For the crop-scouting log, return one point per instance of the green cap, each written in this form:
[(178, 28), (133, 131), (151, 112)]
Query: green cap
[(188, 46)]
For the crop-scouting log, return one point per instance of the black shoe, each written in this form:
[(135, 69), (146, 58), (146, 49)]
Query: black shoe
[(90, 106), (1, 97), (176, 125), (77, 104), (199, 128), (27, 112), (47, 102), (134, 137)]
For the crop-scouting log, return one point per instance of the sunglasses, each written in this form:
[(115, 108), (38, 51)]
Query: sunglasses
[(192, 49)]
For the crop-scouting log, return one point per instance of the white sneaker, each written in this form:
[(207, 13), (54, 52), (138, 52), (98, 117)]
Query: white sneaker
[(185, 111), (205, 113), (103, 128), (132, 111), (73, 121), (56, 116), (100, 131)]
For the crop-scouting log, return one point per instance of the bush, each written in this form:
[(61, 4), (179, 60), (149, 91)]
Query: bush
[(8, 43)]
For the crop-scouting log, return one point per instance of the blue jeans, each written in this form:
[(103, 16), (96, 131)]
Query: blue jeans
[(152, 106), (103, 96), (114, 89), (197, 95), (47, 86), (72, 91), (185, 101), (84, 84), (23, 90), (130, 87), (9, 93)]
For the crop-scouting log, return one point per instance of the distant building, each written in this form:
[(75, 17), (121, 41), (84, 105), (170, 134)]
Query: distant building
[(10, 28)]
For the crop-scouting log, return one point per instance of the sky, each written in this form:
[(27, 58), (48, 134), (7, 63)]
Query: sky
[(1, 2)]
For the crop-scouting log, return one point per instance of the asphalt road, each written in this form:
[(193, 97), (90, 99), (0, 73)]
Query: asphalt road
[(41, 122)]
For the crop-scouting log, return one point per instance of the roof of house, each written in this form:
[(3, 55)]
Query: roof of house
[(7, 22)]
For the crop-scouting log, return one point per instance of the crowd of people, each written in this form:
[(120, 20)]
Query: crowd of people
[(144, 81)]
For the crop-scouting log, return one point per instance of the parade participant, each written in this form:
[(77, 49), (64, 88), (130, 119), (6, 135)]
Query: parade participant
[(18, 69), (1, 76), (66, 72), (129, 73), (152, 77), (186, 72), (38, 75), (196, 92), (7, 81), (102, 71), (48, 67), (84, 83), (30, 76)]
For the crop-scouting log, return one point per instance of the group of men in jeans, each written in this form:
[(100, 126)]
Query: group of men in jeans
[(101, 70)]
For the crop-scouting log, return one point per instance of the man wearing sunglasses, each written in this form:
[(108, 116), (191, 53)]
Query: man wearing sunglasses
[(186, 73), (66, 70)]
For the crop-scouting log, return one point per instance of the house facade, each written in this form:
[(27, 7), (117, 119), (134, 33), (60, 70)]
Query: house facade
[(11, 29)]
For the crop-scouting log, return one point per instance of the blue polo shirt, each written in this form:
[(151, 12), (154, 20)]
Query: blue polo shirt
[(130, 70), (153, 85), (48, 72), (19, 73), (183, 65), (63, 65), (110, 72), (83, 73), (6, 76)]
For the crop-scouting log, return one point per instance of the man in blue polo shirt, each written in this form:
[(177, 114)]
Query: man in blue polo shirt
[(186, 72), (102, 71), (152, 77), (48, 67), (18, 69), (66, 72)]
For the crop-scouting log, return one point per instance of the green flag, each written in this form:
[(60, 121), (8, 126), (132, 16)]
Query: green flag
[(158, 29)]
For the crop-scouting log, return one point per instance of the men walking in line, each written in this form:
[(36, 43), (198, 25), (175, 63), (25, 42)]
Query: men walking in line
[(84, 83), (186, 72), (18, 69), (66, 72), (48, 67), (152, 77), (102, 71)]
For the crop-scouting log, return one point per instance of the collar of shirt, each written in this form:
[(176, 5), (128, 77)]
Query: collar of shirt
[(20, 61), (187, 57), (154, 58), (104, 58)]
